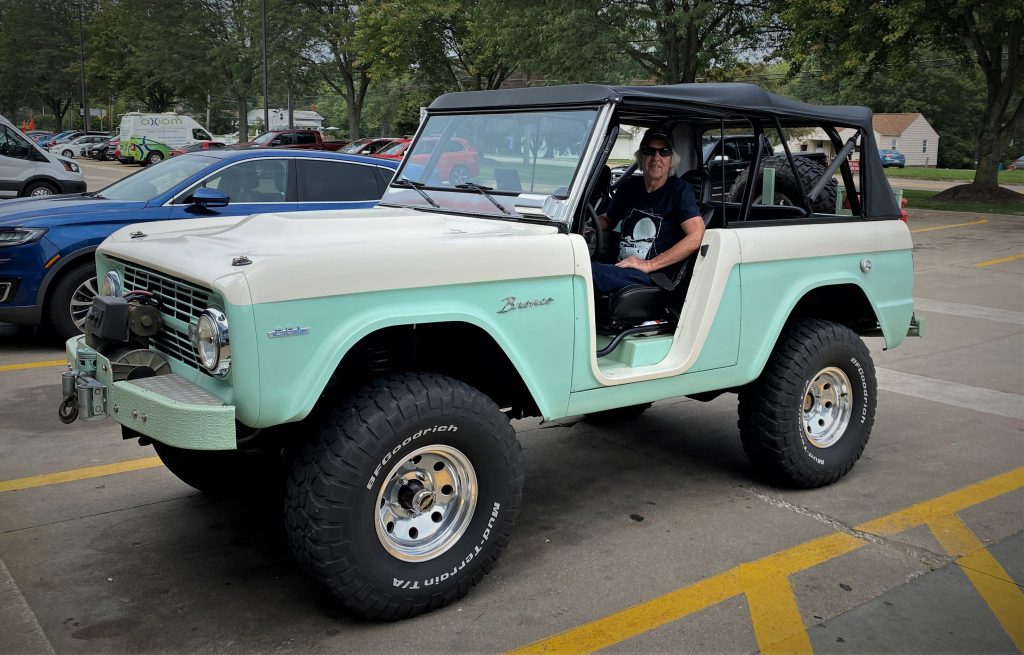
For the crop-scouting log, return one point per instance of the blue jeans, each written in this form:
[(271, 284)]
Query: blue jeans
[(609, 277)]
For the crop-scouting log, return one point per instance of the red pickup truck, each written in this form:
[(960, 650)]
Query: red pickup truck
[(301, 139)]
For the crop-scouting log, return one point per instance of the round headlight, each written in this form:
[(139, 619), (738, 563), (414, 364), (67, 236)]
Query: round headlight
[(111, 284), (212, 343)]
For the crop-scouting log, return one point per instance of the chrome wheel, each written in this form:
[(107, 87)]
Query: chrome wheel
[(81, 301), (426, 503), (41, 191), (828, 404), (458, 175)]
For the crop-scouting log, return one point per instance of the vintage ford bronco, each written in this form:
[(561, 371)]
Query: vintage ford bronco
[(368, 365)]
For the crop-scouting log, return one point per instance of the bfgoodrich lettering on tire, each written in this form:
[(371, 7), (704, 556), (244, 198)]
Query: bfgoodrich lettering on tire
[(406, 495), (807, 419)]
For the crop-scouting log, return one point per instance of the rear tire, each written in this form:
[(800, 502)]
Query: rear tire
[(154, 158), (459, 174), (70, 300), (406, 495), (806, 420)]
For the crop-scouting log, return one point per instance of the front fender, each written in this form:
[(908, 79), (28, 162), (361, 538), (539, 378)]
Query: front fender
[(296, 368)]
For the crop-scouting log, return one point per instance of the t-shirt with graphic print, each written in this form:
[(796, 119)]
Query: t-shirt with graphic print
[(651, 222)]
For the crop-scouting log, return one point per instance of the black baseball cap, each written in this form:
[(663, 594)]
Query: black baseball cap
[(659, 132)]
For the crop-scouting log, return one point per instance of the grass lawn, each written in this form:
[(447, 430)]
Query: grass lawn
[(923, 200), (965, 175)]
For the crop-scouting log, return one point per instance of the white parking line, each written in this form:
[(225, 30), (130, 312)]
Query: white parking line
[(22, 632), (969, 311), (989, 401)]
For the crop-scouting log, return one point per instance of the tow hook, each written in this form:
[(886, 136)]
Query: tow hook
[(83, 396), (68, 410)]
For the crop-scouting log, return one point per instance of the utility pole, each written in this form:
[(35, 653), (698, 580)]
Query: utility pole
[(266, 91), (81, 53)]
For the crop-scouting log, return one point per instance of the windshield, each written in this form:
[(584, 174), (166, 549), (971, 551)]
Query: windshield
[(265, 138), (393, 149), (536, 152), (354, 147), (154, 181)]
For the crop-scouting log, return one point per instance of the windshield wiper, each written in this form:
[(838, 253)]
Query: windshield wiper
[(483, 190), (406, 183)]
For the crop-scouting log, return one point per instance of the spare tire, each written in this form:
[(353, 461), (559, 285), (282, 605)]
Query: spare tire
[(787, 191)]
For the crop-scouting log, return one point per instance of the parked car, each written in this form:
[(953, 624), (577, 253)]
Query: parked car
[(197, 147), (46, 142), (37, 135), (457, 163), (367, 146), (71, 135), (304, 139), (28, 170), (77, 146), (1017, 164), (47, 272), (378, 367), (892, 158), (104, 150)]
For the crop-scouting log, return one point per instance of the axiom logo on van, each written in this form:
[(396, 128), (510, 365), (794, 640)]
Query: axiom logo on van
[(511, 303), (162, 121)]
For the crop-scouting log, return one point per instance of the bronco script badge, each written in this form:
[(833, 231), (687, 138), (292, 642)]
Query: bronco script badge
[(510, 303)]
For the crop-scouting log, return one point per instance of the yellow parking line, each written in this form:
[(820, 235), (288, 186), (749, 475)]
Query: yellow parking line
[(675, 605), (991, 580), (79, 474), (947, 227), (28, 365), (1001, 260)]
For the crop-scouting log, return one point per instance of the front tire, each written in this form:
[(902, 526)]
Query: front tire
[(806, 420), (406, 495), (70, 300), (37, 189)]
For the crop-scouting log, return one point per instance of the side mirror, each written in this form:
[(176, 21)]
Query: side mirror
[(206, 198)]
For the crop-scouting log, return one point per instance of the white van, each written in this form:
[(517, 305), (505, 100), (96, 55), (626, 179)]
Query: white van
[(28, 170), (170, 129)]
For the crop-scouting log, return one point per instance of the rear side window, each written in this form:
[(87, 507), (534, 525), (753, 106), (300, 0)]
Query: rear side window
[(334, 181), (302, 138)]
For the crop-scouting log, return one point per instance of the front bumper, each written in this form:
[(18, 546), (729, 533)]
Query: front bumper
[(167, 408)]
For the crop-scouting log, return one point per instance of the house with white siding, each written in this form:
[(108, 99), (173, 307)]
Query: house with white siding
[(910, 133)]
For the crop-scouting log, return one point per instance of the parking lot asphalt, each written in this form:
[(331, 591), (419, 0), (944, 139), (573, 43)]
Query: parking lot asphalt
[(655, 536)]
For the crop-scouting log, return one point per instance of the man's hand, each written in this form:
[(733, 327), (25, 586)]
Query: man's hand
[(642, 265)]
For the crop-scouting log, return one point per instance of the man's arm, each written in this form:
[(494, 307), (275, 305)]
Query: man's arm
[(693, 229)]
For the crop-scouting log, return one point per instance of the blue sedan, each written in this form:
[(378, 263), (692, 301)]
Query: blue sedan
[(892, 158), (47, 269)]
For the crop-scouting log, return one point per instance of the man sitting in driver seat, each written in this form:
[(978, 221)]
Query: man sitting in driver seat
[(661, 225)]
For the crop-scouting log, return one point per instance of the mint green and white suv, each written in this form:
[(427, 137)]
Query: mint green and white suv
[(369, 364)]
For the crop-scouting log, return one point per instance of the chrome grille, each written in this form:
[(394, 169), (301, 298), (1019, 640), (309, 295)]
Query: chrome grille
[(181, 303)]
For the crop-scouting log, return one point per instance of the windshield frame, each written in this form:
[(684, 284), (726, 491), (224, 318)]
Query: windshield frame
[(562, 206)]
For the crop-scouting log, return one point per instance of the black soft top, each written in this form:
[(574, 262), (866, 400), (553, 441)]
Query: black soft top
[(709, 100), (731, 97)]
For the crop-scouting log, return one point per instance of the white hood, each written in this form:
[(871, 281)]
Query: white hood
[(313, 254)]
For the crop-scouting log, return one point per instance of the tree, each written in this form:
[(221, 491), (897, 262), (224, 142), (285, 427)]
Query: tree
[(332, 52), (451, 45), (856, 40), (951, 98), (39, 55)]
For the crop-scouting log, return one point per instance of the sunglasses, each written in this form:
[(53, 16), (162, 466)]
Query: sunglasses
[(649, 151)]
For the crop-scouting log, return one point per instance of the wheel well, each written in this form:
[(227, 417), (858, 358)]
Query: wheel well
[(841, 303), (62, 268), (459, 350), (35, 180)]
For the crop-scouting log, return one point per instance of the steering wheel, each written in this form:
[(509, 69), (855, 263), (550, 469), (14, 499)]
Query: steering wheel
[(592, 232)]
